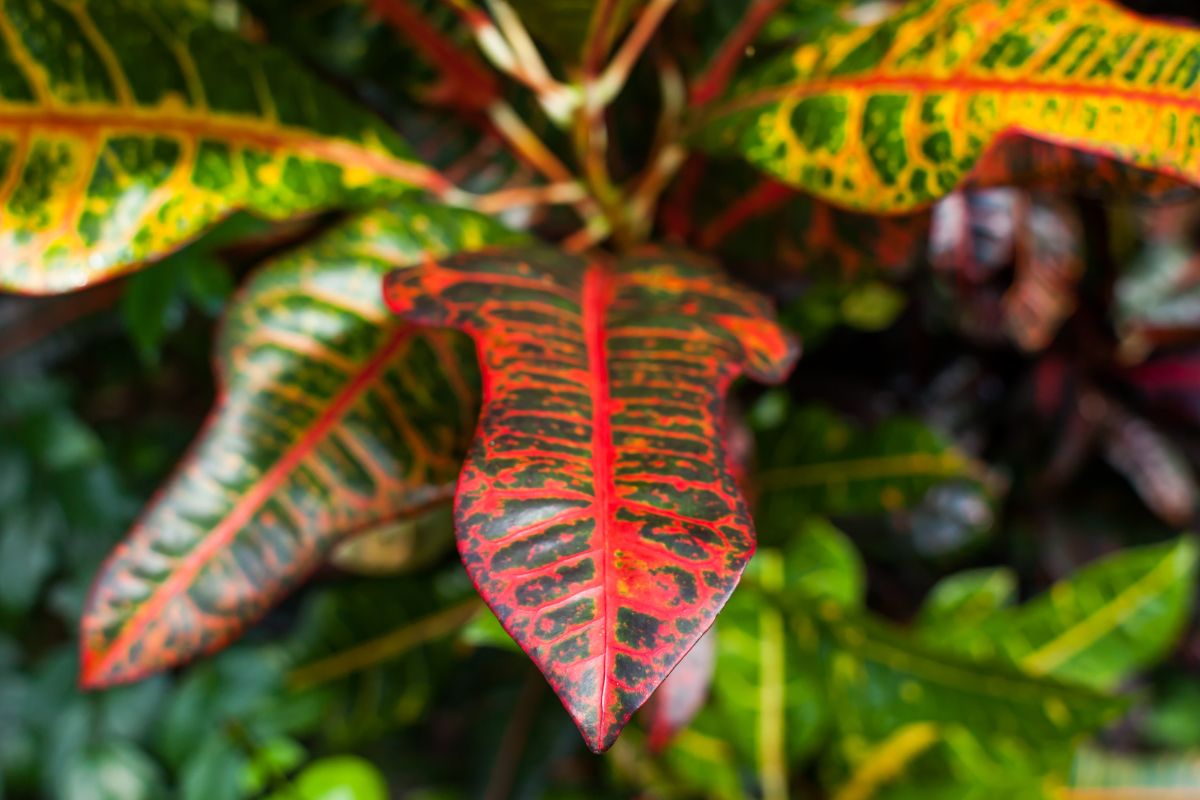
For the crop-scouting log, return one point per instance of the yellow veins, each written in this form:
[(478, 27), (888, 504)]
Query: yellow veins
[(888, 759), (772, 758), (1109, 617), (948, 464)]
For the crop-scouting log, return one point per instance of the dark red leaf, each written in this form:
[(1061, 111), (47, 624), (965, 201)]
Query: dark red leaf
[(597, 513)]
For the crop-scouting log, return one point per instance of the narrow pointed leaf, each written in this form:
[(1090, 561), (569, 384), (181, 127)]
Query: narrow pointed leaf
[(1098, 626), (893, 116), (128, 127), (597, 513), (332, 419)]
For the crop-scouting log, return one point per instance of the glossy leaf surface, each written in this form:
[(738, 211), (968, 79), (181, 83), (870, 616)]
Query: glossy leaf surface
[(597, 512), (1098, 626), (333, 419), (890, 117), (127, 127)]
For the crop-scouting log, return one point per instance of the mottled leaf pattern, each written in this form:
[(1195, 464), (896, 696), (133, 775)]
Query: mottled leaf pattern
[(127, 127), (332, 420), (893, 116), (597, 513)]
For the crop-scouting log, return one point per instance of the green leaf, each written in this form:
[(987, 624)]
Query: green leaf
[(823, 564), (819, 463), (155, 300), (887, 688), (401, 547), (333, 419), (964, 599), (1098, 626), (1173, 720), (565, 26), (768, 690), (134, 126), (113, 770), (336, 778)]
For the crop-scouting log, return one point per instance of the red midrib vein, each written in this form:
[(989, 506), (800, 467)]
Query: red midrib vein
[(597, 290), (241, 513)]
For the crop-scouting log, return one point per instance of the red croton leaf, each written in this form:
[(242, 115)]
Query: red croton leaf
[(597, 513), (334, 419)]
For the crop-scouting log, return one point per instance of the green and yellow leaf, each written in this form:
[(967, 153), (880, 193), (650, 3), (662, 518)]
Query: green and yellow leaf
[(820, 463), (884, 686), (890, 117), (1097, 627), (128, 127), (333, 419)]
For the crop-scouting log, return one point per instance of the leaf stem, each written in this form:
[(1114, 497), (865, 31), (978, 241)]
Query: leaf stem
[(526, 143), (516, 55), (466, 81), (385, 647), (603, 90), (496, 202), (712, 82), (764, 198), (667, 155)]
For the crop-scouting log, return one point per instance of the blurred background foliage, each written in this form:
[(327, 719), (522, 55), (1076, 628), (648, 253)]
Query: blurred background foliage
[(971, 572)]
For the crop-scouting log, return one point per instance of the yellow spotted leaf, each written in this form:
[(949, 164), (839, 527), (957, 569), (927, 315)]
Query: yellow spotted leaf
[(128, 127), (888, 118)]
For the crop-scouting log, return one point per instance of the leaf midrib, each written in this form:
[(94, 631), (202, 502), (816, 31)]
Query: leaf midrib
[(96, 666)]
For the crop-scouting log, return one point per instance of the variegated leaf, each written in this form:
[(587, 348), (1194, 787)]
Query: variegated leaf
[(127, 127), (890, 117), (1098, 626), (597, 513), (332, 420)]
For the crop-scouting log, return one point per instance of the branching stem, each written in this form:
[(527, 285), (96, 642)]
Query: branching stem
[(712, 83)]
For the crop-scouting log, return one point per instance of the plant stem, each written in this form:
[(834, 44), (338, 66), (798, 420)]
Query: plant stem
[(385, 647), (526, 143), (711, 84), (764, 198), (518, 59), (602, 91), (466, 81), (525, 196), (515, 737), (600, 35), (667, 155)]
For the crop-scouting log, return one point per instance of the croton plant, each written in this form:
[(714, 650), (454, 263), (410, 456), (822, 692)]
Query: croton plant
[(608, 199)]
